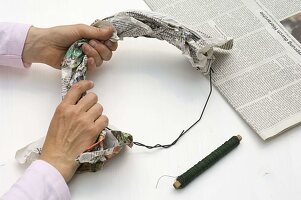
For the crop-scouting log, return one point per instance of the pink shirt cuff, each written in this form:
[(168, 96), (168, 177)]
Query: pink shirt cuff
[(40, 181), (12, 39)]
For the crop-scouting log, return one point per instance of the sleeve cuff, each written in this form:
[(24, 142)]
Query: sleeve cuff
[(53, 178), (40, 181), (13, 36)]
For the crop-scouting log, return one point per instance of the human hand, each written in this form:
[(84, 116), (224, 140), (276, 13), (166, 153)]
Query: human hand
[(74, 127), (49, 45)]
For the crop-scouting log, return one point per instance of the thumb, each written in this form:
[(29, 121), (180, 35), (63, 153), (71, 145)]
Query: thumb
[(91, 32)]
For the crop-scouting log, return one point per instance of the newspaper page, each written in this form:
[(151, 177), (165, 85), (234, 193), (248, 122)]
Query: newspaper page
[(261, 76)]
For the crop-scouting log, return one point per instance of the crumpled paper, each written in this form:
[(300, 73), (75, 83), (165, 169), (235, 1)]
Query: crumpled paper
[(196, 46), (108, 144)]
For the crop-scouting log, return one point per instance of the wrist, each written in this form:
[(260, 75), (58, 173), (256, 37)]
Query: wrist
[(65, 166), (34, 45)]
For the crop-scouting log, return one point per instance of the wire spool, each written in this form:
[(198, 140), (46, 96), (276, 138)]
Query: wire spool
[(184, 179)]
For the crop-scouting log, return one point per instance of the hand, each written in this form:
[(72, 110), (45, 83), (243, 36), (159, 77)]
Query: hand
[(73, 128), (49, 45)]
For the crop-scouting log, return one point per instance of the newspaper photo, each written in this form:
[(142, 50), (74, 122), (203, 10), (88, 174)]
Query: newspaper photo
[(261, 76)]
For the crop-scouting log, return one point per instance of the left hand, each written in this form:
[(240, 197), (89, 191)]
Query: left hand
[(49, 45)]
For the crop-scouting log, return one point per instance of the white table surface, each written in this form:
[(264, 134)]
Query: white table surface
[(151, 91)]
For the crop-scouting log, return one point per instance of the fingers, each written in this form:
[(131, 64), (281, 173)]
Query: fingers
[(91, 64), (76, 91), (102, 49), (111, 45), (98, 51), (87, 101), (95, 111), (91, 32), (92, 53), (102, 122)]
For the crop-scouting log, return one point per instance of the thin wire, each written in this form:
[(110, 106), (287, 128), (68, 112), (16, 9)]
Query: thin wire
[(184, 131), (165, 175)]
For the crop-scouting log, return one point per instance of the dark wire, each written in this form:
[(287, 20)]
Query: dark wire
[(184, 131)]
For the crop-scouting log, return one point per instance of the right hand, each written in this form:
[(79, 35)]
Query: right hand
[(74, 127)]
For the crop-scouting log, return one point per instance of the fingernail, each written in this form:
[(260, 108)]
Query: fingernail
[(92, 43), (85, 47), (109, 43), (107, 27), (92, 83)]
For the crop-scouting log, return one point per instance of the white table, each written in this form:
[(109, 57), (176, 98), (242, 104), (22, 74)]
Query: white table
[(151, 91)]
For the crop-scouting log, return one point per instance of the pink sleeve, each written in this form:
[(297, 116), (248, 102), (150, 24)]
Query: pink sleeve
[(12, 39), (40, 181)]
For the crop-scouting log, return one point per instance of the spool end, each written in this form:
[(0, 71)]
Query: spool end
[(177, 184), (239, 137)]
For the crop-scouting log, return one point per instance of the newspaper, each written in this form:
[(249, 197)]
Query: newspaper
[(196, 46), (261, 77), (108, 144)]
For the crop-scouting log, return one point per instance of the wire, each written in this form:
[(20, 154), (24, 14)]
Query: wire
[(184, 131), (165, 175)]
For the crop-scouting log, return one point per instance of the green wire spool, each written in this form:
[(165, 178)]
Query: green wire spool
[(207, 162)]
